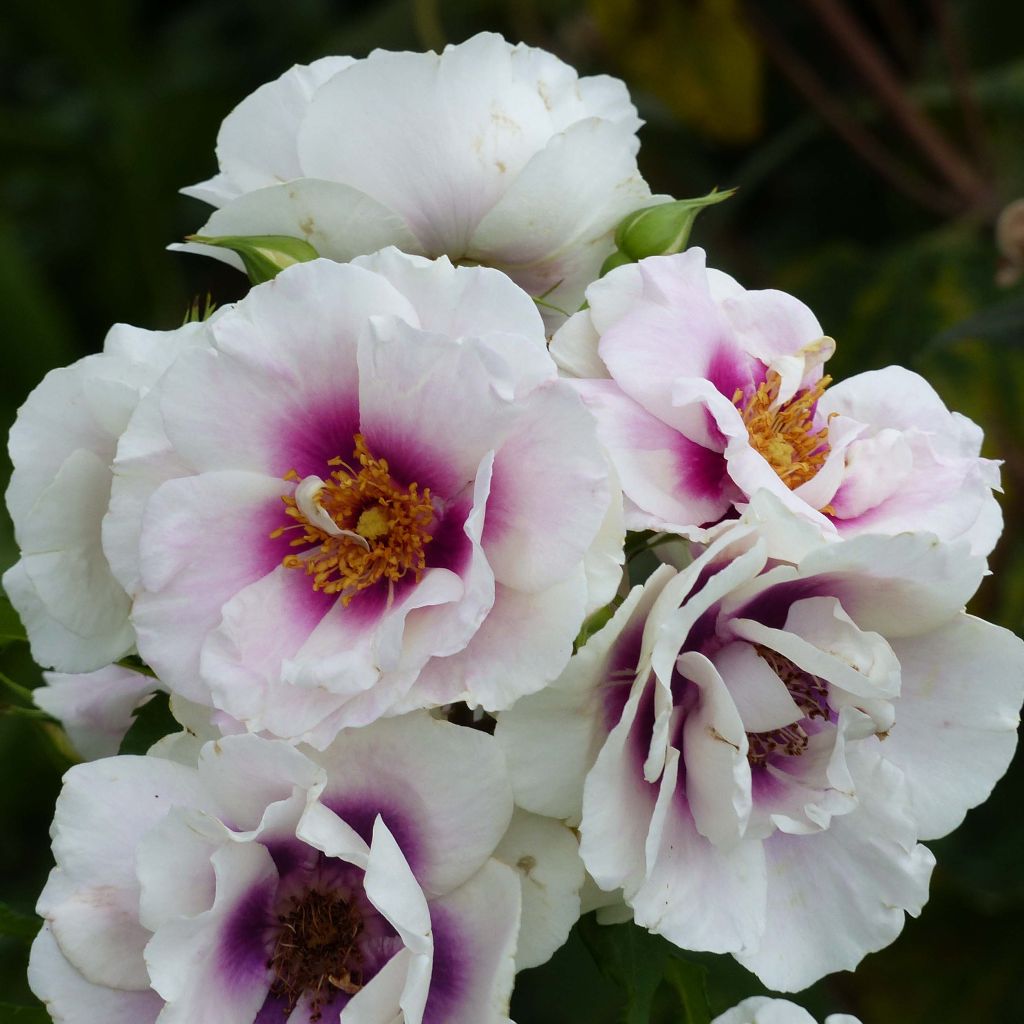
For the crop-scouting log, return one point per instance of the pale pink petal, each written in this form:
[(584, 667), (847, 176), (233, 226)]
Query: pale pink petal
[(94, 708), (549, 492), (669, 477)]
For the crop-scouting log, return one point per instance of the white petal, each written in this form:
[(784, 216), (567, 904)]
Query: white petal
[(70, 999), (441, 790), (837, 895), (956, 718), (95, 708), (546, 856), (475, 931)]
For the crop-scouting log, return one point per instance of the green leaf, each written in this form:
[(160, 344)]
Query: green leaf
[(638, 962), (11, 1014), (263, 256), (16, 925), (595, 623), (1003, 322), (153, 721), (11, 629), (690, 983)]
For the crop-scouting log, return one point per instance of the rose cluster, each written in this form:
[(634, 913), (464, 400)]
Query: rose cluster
[(382, 529)]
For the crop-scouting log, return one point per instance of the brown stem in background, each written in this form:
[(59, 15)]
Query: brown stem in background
[(875, 70), (963, 87), (847, 127), (900, 29)]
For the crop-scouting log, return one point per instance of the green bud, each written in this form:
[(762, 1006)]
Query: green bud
[(663, 229), (616, 259), (263, 256)]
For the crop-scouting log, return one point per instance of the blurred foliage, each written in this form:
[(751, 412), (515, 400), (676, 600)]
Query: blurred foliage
[(698, 58), (107, 108)]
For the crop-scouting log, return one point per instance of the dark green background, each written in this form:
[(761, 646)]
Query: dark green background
[(108, 107)]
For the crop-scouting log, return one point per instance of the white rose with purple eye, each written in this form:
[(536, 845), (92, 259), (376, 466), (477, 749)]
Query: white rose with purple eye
[(706, 392), (270, 884), (753, 747), (488, 153), (370, 493)]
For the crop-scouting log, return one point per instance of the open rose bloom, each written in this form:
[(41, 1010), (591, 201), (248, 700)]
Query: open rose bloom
[(706, 393), (267, 884), (754, 746), (488, 153), (369, 493)]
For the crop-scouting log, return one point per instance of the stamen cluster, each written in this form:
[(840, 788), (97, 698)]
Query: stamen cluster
[(383, 527), (783, 432)]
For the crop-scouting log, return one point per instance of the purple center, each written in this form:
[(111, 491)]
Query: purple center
[(326, 941)]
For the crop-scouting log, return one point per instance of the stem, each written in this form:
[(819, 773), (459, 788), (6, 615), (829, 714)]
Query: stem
[(875, 70), (427, 16), (851, 131), (899, 28), (22, 692), (963, 87)]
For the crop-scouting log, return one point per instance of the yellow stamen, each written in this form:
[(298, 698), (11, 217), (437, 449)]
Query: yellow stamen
[(385, 527), (783, 433)]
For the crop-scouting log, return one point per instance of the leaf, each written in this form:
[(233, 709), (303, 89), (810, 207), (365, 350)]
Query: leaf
[(638, 962), (11, 629), (690, 982), (16, 925), (698, 58), (11, 1014), (1003, 322), (153, 721)]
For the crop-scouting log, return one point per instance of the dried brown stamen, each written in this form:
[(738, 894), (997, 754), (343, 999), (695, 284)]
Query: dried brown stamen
[(810, 695), (317, 952)]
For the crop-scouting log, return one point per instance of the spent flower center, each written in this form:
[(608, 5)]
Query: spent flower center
[(317, 952), (809, 694)]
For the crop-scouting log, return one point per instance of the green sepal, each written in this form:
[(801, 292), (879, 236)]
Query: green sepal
[(263, 256), (661, 230)]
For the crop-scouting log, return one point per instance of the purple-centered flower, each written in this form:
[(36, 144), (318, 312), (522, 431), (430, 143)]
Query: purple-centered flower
[(706, 393), (269, 884), (369, 493), (754, 746)]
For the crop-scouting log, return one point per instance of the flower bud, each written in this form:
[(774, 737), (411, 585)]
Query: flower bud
[(660, 230), (264, 256)]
